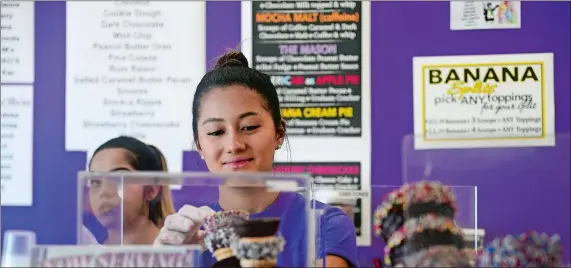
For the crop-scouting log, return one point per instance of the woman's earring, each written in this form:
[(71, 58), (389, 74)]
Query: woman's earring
[(202, 157), (279, 147)]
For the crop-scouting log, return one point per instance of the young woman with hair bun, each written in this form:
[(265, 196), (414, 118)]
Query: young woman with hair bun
[(238, 127)]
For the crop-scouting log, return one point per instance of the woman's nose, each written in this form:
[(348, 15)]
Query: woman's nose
[(235, 143)]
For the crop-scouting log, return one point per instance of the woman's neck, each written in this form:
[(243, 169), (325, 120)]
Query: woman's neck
[(249, 199), (141, 232)]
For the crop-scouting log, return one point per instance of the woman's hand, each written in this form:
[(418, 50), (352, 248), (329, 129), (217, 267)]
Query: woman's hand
[(183, 227)]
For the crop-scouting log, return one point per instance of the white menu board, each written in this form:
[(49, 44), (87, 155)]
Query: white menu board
[(17, 145), (17, 67), (132, 68), (17, 36)]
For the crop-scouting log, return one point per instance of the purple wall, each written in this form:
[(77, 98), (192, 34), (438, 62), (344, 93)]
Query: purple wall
[(400, 30), (515, 197)]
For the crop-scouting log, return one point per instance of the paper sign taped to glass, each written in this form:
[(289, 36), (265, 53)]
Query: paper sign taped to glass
[(115, 256)]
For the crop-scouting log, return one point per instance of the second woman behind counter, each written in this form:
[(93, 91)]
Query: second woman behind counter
[(145, 207)]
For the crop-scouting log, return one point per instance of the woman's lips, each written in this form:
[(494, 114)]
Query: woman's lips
[(238, 163), (107, 210)]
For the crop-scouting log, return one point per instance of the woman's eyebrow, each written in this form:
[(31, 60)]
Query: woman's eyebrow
[(242, 116)]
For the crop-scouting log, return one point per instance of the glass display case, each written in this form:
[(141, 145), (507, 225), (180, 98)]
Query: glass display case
[(110, 204), (466, 203), (519, 188), (464, 220), (416, 216)]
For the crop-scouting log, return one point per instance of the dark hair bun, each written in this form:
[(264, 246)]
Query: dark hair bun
[(232, 58)]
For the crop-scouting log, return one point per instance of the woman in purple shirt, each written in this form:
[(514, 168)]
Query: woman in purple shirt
[(237, 127)]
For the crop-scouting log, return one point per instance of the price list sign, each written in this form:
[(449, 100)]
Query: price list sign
[(312, 52), (484, 101)]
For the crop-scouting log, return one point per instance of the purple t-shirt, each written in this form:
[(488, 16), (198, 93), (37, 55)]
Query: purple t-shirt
[(336, 235)]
